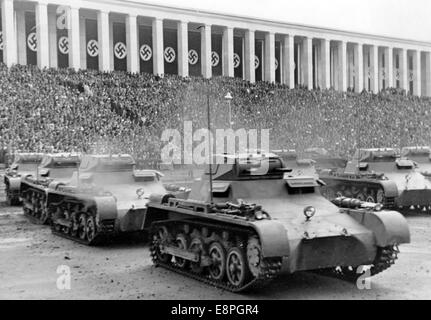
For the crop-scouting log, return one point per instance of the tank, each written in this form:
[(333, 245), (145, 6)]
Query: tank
[(422, 158), (106, 197), (54, 168), (24, 164), (381, 176), (259, 221), (323, 159)]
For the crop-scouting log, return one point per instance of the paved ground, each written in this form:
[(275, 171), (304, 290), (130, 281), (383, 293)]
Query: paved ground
[(30, 256)]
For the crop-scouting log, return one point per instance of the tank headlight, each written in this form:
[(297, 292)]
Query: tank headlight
[(140, 192), (309, 212)]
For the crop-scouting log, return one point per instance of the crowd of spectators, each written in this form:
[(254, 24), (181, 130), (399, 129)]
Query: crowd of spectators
[(89, 111)]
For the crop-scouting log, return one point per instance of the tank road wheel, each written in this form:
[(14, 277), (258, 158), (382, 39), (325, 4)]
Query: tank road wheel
[(196, 246), (91, 229), (44, 215), (159, 239), (236, 267), (182, 243), (361, 196), (82, 226), (380, 197), (218, 256)]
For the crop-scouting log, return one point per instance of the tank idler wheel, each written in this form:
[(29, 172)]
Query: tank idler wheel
[(217, 254), (161, 236), (44, 215), (91, 229), (254, 256), (380, 197), (82, 226), (236, 267), (196, 246), (182, 243)]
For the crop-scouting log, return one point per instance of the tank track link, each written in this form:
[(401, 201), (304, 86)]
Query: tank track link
[(271, 268), (386, 258)]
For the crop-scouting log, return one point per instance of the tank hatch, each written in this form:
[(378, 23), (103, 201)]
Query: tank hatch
[(377, 155), (60, 161), (416, 152), (28, 158), (107, 163), (247, 167)]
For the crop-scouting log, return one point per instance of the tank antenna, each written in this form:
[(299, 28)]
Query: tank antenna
[(210, 146)]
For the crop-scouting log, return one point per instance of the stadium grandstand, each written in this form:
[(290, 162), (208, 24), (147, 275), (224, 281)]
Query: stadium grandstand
[(111, 76)]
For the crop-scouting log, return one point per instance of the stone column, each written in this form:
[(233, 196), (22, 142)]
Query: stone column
[(404, 70), (74, 40), (183, 48), (427, 73), (228, 52), (206, 51), (269, 57), (342, 66), (359, 67), (53, 44), (158, 47), (417, 76), (103, 32), (389, 53), (21, 40), (83, 42), (42, 35), (249, 54), (374, 53), (325, 64), (8, 28), (307, 62), (132, 43), (288, 61)]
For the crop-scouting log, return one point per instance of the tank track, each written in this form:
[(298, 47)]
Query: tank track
[(270, 269), (386, 258)]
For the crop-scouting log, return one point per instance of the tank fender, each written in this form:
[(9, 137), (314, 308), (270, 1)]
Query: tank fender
[(273, 238), (14, 183), (55, 184), (389, 227), (390, 188), (106, 208)]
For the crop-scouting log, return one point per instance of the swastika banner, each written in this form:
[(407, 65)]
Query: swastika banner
[(217, 54), (194, 54), (146, 49), (170, 51), (1, 40), (277, 61), (258, 63), (120, 48), (238, 57), (31, 39), (92, 42), (62, 48)]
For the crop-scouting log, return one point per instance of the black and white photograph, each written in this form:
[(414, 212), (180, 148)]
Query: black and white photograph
[(215, 152)]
